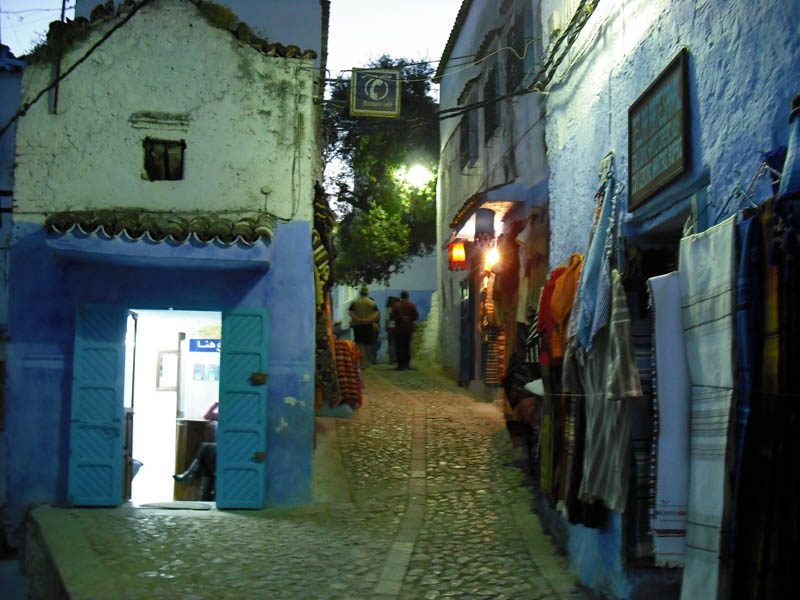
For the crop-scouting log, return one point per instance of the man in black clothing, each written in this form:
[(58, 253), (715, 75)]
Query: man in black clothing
[(404, 313)]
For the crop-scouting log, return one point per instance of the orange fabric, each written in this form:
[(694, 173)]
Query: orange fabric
[(561, 304), (545, 323)]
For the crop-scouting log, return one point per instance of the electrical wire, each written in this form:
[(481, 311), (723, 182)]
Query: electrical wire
[(23, 110), (30, 10), (455, 72), (542, 78)]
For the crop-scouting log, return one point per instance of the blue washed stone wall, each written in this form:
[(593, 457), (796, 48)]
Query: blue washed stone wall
[(45, 293), (743, 67), (743, 59)]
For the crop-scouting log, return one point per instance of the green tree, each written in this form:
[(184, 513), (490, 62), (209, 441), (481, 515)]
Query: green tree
[(384, 219)]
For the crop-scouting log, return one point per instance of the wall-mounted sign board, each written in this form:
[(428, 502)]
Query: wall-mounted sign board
[(204, 345), (375, 93), (658, 132)]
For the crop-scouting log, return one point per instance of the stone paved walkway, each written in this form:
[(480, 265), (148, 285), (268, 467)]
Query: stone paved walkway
[(418, 497)]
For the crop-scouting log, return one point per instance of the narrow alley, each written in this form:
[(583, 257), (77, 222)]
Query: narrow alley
[(419, 496)]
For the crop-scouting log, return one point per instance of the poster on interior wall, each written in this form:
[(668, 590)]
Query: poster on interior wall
[(375, 93), (658, 132), (167, 371), (199, 372), (204, 345)]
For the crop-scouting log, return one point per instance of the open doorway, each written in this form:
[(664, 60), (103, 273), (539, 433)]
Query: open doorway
[(171, 380)]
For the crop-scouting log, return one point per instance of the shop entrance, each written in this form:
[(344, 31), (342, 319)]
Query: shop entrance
[(171, 382), (104, 441)]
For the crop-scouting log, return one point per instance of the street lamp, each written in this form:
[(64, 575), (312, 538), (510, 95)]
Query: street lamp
[(416, 176)]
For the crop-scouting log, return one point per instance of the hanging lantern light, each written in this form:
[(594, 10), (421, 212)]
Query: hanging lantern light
[(484, 227), (458, 256)]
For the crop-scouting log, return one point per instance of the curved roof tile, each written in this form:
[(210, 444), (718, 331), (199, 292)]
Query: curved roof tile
[(158, 227)]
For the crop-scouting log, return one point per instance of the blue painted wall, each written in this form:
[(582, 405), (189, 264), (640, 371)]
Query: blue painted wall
[(743, 71), (10, 78), (45, 292)]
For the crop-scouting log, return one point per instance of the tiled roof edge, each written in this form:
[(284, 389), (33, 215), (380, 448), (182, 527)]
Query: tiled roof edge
[(106, 12), (157, 227), (471, 203), (451, 41)]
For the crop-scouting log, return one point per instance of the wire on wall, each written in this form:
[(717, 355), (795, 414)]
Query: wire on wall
[(23, 110), (543, 76)]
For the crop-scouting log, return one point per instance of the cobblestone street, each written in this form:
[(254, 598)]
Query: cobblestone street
[(418, 497)]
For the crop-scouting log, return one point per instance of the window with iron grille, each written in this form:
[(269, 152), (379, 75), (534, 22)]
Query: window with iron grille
[(468, 143), (521, 38), (515, 68), (491, 110), (163, 159)]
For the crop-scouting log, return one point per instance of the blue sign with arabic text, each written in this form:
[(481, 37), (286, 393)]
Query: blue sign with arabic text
[(204, 345)]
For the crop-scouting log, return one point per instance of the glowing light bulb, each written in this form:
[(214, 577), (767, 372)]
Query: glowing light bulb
[(492, 258)]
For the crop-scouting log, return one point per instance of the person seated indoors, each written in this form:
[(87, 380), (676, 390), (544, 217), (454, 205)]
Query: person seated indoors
[(204, 464)]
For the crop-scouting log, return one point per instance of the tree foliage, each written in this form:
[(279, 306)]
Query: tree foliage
[(384, 220)]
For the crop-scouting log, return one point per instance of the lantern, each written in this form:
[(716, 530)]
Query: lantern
[(458, 256)]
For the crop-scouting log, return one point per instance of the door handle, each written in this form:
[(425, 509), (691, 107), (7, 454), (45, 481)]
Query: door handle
[(258, 378), (259, 456)]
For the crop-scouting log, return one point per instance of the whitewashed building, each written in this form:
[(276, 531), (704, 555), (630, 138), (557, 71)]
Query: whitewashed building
[(492, 159), (173, 169)]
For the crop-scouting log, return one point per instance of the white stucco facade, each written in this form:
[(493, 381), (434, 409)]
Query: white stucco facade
[(248, 120)]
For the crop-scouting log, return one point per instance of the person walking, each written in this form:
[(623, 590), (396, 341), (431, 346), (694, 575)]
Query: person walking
[(404, 313), (390, 325), (363, 314)]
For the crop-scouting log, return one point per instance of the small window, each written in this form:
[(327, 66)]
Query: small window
[(520, 37), (491, 110), (163, 159), (515, 38), (469, 138)]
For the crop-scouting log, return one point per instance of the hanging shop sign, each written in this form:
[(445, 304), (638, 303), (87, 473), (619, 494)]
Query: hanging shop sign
[(658, 132), (375, 93)]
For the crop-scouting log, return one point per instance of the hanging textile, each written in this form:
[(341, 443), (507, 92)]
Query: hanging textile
[(768, 504), (493, 347), (749, 326), (532, 340), (532, 243), (636, 519), (707, 281), (671, 409), (326, 379), (348, 370), (545, 323), (561, 304), (609, 378), (595, 285), (494, 360), (547, 434)]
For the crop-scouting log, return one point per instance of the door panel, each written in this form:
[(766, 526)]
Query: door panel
[(242, 435), (96, 416)]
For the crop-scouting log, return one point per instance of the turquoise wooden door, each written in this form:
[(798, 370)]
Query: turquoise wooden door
[(242, 434), (96, 416)]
